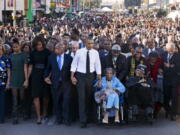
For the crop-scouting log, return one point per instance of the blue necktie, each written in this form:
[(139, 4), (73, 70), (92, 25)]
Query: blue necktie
[(59, 62)]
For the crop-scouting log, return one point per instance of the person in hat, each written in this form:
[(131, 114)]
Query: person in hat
[(117, 61), (119, 41), (140, 91), (134, 60)]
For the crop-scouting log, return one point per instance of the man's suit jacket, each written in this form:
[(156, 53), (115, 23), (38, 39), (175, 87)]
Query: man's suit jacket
[(58, 75), (102, 56), (121, 64), (171, 72), (158, 50)]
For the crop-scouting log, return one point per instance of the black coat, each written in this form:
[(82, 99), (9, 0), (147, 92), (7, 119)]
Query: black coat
[(120, 67), (142, 59), (159, 51), (170, 73)]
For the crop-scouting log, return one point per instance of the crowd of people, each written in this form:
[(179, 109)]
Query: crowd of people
[(57, 66)]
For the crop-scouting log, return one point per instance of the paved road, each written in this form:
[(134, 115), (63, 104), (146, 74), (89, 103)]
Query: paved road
[(161, 127)]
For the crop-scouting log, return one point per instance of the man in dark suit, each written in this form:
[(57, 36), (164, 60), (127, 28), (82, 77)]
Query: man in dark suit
[(169, 82), (58, 74), (119, 41), (106, 44), (151, 48), (117, 61)]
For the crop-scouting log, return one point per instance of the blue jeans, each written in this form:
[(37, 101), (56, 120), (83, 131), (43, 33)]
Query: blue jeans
[(2, 103)]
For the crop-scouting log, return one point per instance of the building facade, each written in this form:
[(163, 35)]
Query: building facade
[(7, 6), (114, 4)]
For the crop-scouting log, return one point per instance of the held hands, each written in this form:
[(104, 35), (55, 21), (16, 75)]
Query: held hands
[(99, 84), (99, 77), (7, 86), (117, 91), (168, 65), (48, 80), (160, 72), (74, 80), (26, 83)]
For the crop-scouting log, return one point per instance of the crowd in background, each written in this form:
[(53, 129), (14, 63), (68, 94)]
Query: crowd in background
[(27, 66)]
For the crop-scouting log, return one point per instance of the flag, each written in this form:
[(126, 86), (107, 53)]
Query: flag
[(29, 13)]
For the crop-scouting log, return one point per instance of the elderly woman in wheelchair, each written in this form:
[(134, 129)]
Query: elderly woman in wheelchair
[(140, 95), (109, 89)]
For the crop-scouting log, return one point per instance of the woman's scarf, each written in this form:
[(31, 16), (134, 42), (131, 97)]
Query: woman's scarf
[(133, 66), (154, 70)]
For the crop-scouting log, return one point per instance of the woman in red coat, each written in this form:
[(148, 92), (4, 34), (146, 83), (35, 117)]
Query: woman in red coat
[(155, 73)]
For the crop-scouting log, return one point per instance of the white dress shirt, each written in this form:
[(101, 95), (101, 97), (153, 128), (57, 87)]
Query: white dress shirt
[(79, 61), (62, 60), (169, 56), (151, 50), (73, 54)]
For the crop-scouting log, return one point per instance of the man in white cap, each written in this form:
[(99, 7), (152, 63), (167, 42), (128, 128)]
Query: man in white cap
[(117, 61)]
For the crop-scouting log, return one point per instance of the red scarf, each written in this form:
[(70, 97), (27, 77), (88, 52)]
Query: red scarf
[(154, 70)]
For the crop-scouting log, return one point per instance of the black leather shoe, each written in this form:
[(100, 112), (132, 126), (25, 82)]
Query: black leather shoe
[(83, 125), (67, 123), (59, 122), (26, 117), (155, 115), (173, 118), (2, 121), (166, 115), (15, 122), (39, 123)]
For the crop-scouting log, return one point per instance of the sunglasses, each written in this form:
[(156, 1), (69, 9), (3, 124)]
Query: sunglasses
[(115, 51), (138, 52), (20, 35)]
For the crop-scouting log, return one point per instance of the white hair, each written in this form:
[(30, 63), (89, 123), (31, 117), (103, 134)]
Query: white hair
[(74, 43), (170, 45), (61, 43)]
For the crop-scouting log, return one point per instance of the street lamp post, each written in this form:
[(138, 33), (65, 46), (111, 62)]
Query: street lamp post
[(83, 4), (160, 4), (14, 13), (4, 12)]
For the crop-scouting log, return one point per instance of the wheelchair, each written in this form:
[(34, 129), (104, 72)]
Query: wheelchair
[(101, 110), (140, 112)]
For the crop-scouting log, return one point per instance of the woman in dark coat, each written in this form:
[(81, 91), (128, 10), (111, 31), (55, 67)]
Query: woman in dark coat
[(38, 62)]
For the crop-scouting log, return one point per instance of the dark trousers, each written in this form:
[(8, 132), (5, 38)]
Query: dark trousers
[(74, 104), (2, 103), (61, 100), (27, 102), (170, 94), (85, 95)]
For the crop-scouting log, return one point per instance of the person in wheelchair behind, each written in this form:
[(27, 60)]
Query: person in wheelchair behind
[(140, 94), (109, 90)]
